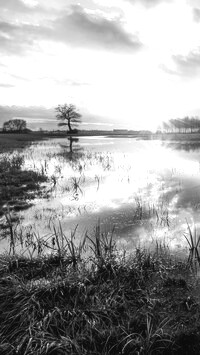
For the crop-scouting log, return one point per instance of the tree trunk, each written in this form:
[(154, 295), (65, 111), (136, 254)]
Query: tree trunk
[(69, 126)]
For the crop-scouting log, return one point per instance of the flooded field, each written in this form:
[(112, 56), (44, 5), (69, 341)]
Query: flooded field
[(145, 192)]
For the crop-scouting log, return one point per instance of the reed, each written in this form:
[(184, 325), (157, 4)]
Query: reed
[(65, 302), (155, 340), (193, 240)]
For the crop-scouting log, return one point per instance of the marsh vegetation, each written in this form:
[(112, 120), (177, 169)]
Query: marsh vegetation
[(99, 247), (106, 303)]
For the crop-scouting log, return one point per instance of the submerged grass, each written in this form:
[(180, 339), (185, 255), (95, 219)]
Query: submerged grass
[(106, 303), (193, 241), (17, 185)]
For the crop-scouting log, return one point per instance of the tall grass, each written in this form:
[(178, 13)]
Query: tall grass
[(193, 240), (66, 302)]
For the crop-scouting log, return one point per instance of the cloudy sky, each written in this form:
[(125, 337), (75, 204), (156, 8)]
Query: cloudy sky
[(123, 63)]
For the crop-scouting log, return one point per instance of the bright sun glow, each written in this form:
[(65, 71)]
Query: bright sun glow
[(133, 173)]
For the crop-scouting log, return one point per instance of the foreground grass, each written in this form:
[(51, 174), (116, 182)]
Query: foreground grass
[(145, 304)]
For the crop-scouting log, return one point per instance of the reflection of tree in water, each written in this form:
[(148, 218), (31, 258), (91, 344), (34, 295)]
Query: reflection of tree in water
[(72, 142), (186, 146), (73, 151)]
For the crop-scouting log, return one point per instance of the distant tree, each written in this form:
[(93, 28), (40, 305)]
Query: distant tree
[(15, 125), (187, 124), (166, 127), (195, 123), (68, 116), (182, 125), (177, 125)]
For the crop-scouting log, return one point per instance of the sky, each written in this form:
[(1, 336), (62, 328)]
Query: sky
[(123, 63)]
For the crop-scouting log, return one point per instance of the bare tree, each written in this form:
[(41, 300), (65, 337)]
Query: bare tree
[(15, 125), (68, 116), (182, 125)]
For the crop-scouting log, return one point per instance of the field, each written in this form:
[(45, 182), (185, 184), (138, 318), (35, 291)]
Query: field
[(10, 141), (89, 297)]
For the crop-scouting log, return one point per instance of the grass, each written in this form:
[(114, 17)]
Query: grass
[(193, 241), (17, 185), (106, 303), (10, 141)]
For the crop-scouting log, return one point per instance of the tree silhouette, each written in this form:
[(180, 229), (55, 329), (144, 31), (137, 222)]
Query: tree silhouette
[(182, 125), (14, 125), (68, 116)]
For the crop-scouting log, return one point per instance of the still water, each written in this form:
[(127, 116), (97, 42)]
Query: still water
[(147, 190)]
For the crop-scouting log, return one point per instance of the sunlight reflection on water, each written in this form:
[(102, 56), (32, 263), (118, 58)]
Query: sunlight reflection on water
[(144, 188)]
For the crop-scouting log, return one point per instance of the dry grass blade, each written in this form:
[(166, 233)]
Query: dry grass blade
[(191, 243)]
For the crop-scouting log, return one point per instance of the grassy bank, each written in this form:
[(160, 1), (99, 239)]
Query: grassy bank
[(18, 186), (107, 303), (11, 141)]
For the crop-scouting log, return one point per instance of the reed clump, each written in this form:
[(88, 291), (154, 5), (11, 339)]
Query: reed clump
[(106, 303), (18, 185)]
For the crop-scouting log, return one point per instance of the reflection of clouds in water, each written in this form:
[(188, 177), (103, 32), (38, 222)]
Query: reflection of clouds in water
[(163, 237), (189, 195), (145, 167), (113, 173), (98, 144)]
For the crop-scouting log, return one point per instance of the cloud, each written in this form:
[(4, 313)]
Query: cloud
[(188, 65), (18, 77), (75, 28), (184, 66), (14, 5), (8, 112), (149, 3), (66, 81), (98, 123), (168, 70), (196, 14), (19, 7), (21, 38), (83, 29), (2, 85), (16, 39)]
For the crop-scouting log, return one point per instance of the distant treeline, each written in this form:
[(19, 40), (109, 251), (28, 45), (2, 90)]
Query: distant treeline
[(181, 125)]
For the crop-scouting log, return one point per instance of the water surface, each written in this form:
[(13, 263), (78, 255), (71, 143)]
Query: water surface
[(148, 190)]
